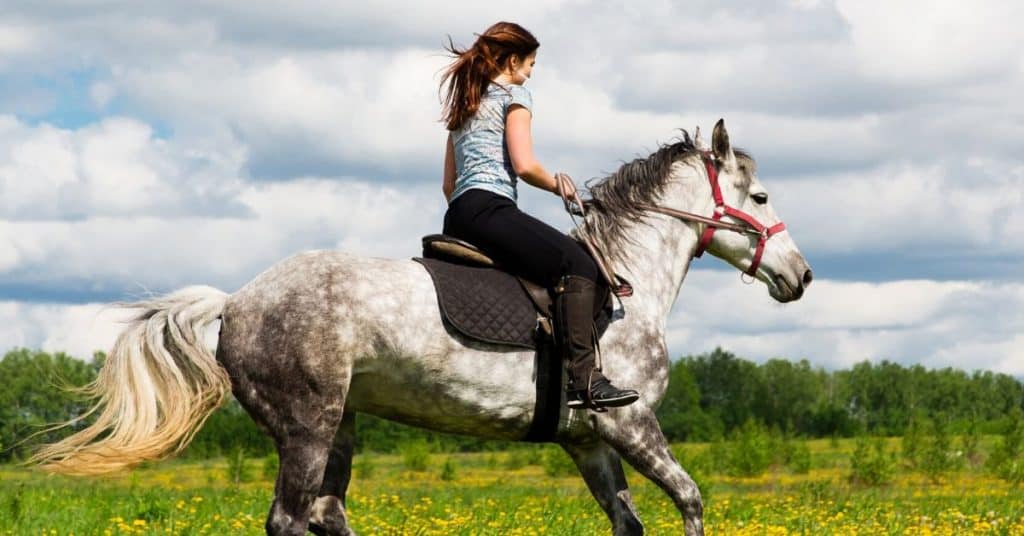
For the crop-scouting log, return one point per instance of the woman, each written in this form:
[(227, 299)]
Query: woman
[(488, 113)]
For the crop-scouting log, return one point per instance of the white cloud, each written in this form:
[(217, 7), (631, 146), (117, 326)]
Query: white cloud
[(903, 207), (160, 253), (78, 330), (359, 107), (320, 85), (890, 130), (13, 40), (934, 42), (112, 168), (963, 324)]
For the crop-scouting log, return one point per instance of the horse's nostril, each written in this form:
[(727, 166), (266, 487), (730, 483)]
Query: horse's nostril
[(808, 276)]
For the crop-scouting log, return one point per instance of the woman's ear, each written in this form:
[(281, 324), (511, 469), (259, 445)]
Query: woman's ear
[(513, 62)]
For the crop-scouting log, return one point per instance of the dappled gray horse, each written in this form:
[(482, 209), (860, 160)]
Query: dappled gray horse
[(324, 335)]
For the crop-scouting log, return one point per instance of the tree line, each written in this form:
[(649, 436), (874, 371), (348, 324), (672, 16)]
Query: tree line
[(710, 396)]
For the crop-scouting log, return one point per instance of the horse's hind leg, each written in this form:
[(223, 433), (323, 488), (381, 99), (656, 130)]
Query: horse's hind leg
[(328, 517), (602, 471), (634, 432), (304, 416), (303, 453)]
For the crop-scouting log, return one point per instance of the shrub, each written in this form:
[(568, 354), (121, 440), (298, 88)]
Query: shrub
[(15, 503), (448, 470), (870, 464), (238, 470), (910, 444), (415, 455), (1007, 460), (150, 505), (749, 453), (270, 466), (698, 465), (365, 466), (797, 456), (970, 441), (519, 458), (937, 455), (557, 463)]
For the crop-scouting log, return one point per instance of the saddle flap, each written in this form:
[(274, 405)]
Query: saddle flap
[(542, 300), (444, 247), (483, 303)]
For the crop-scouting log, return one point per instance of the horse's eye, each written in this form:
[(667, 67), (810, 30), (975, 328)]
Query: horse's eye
[(760, 198)]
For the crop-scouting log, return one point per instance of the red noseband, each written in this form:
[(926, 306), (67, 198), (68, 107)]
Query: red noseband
[(721, 209)]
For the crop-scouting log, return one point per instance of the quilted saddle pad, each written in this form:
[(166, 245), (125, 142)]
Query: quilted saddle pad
[(483, 303)]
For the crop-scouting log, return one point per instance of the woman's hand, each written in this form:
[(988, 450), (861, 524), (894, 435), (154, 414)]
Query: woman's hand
[(565, 188), (567, 185)]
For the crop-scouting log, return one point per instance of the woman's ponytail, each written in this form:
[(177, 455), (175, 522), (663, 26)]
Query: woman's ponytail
[(472, 69)]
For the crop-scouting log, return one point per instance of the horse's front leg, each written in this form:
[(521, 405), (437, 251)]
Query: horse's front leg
[(602, 471), (634, 432)]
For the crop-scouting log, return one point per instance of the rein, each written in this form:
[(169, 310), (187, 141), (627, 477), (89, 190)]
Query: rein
[(750, 225), (619, 287)]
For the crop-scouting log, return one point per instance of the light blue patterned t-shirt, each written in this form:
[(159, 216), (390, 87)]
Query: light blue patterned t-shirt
[(481, 152)]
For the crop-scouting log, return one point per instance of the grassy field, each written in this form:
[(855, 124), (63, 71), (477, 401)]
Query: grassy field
[(520, 492)]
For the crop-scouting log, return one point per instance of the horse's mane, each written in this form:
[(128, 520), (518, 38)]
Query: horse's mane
[(614, 199)]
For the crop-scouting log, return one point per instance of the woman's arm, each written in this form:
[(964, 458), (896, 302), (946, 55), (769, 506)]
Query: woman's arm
[(448, 185), (520, 150)]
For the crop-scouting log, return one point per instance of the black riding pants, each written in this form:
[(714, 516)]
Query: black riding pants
[(519, 242)]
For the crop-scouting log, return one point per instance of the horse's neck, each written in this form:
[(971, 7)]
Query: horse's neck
[(658, 259), (656, 253)]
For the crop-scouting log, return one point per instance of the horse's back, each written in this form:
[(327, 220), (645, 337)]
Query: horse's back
[(374, 323)]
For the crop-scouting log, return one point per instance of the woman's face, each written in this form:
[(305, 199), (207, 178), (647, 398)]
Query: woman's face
[(521, 68)]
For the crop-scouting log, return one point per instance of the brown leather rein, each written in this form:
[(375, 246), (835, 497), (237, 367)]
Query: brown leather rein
[(619, 287), (749, 226), (697, 218)]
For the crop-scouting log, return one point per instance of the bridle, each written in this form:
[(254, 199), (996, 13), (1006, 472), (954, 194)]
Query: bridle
[(750, 225)]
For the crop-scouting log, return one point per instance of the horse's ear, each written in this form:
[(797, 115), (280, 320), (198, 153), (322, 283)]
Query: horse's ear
[(720, 144), (698, 140)]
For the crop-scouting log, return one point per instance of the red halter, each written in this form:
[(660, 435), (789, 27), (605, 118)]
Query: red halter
[(721, 209), (752, 227)]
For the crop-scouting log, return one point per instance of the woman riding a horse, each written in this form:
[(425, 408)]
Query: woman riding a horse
[(488, 113)]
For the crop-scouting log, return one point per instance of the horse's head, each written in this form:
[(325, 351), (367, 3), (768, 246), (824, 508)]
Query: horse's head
[(765, 249)]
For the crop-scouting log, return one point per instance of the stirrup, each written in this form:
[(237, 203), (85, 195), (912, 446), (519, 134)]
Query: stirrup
[(584, 398)]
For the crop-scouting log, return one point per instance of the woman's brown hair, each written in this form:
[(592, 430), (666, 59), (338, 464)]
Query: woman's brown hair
[(471, 72)]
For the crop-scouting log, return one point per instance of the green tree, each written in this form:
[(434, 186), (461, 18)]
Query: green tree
[(789, 393), (680, 414), (728, 386), (37, 391), (938, 455), (1007, 460)]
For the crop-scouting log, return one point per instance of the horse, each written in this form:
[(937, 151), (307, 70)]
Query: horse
[(324, 335)]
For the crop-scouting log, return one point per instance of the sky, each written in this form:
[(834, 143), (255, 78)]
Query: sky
[(146, 146)]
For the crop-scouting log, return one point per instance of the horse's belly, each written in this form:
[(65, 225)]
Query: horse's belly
[(469, 392)]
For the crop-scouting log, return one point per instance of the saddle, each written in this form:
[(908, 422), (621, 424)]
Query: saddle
[(483, 302)]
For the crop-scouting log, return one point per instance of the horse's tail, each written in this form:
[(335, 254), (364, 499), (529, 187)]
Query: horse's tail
[(157, 387)]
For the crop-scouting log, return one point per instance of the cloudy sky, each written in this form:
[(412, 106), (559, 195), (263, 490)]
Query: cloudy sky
[(145, 146)]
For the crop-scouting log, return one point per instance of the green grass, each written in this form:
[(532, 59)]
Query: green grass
[(513, 493)]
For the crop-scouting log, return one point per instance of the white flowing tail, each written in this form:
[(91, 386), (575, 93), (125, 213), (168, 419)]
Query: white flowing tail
[(158, 386)]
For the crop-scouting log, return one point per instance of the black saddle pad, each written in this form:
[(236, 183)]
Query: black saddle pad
[(483, 303)]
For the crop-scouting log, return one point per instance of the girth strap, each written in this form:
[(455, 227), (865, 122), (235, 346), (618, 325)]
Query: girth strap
[(548, 405)]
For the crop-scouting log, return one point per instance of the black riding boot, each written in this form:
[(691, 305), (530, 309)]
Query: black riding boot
[(588, 387)]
